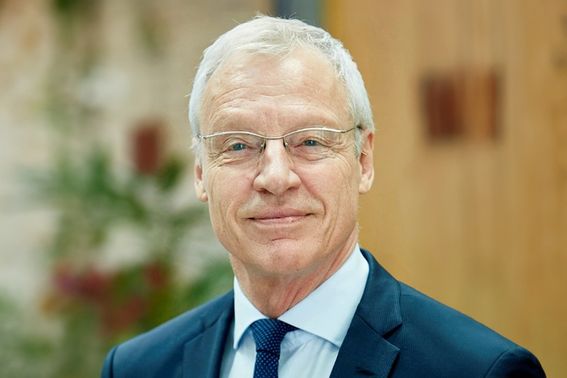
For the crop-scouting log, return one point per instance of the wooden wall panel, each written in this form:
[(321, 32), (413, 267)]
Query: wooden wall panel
[(480, 224)]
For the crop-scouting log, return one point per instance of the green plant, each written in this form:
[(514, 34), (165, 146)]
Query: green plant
[(98, 306)]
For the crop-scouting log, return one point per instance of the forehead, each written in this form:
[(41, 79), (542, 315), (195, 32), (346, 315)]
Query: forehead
[(300, 88)]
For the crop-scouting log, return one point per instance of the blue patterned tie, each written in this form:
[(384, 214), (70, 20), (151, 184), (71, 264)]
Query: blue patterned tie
[(268, 334)]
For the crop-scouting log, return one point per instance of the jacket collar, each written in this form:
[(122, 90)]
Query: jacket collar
[(366, 350), (203, 354)]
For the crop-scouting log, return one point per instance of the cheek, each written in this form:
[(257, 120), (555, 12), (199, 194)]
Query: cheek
[(226, 192), (333, 186), (337, 192), (344, 196)]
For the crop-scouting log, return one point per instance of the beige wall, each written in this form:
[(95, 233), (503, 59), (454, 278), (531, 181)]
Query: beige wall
[(477, 223)]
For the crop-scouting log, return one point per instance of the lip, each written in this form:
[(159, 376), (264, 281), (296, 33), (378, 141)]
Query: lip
[(279, 216)]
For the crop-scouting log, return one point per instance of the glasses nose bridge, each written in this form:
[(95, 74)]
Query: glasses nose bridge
[(265, 140), (287, 155)]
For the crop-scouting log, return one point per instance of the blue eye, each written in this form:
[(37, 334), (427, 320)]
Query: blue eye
[(238, 147), (310, 143)]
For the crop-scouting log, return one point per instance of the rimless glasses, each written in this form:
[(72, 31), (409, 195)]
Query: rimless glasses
[(309, 144)]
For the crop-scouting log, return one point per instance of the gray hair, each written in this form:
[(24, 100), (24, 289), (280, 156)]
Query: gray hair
[(277, 36)]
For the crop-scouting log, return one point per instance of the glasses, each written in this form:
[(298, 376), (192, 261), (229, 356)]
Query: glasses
[(309, 144)]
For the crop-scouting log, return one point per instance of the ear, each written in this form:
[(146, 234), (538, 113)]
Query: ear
[(366, 162), (199, 182)]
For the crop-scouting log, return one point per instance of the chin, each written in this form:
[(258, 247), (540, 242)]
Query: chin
[(293, 259), (277, 257)]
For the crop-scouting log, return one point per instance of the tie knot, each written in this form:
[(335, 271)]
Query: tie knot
[(269, 333)]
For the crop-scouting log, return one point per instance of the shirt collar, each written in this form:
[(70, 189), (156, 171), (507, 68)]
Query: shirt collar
[(339, 295)]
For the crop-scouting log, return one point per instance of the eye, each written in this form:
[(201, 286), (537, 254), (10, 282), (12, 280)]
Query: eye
[(311, 143), (237, 146), (311, 140)]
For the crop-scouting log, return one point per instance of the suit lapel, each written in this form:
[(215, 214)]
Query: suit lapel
[(364, 353), (203, 354), (365, 350)]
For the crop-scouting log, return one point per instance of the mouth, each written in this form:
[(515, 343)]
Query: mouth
[(280, 217)]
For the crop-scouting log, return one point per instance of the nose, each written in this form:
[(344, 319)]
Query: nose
[(276, 174)]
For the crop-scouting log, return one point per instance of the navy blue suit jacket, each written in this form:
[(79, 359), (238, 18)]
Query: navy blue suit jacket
[(395, 332)]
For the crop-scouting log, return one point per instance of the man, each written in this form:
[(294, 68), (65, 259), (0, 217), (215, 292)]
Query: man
[(283, 136)]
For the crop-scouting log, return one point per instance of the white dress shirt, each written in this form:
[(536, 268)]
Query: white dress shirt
[(322, 319)]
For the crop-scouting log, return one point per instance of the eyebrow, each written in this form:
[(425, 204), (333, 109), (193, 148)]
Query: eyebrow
[(314, 127), (232, 126), (237, 119)]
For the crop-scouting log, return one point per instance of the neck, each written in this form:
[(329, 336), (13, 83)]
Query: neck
[(274, 294)]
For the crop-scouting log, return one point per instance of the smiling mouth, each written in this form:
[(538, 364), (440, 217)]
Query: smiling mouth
[(280, 218)]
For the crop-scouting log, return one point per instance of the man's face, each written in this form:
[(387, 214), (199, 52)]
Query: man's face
[(281, 216)]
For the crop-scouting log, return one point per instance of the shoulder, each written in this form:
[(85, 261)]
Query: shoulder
[(434, 339), (424, 316), (446, 342), (163, 346), (181, 328)]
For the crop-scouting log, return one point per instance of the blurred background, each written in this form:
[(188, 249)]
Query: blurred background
[(101, 236)]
